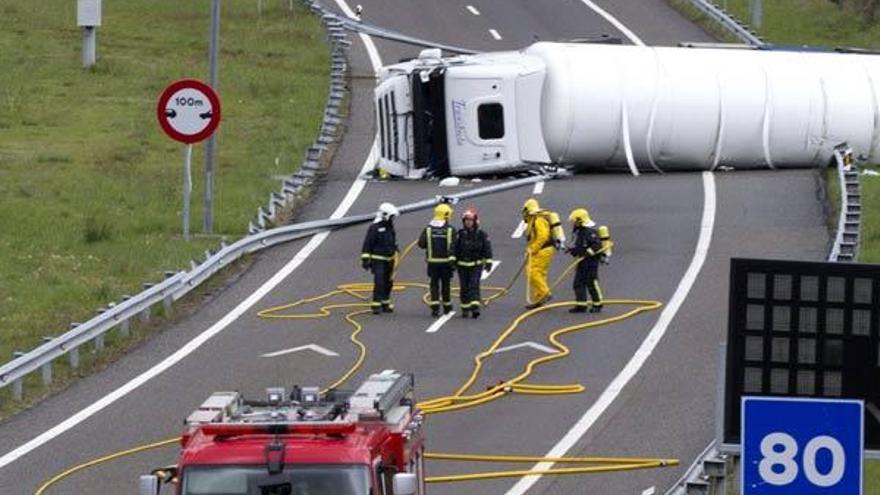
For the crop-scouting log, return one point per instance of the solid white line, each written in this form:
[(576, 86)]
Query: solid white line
[(488, 274), (539, 188), (614, 22), (310, 347), (473, 10), (707, 225), (440, 322), (495, 34), (520, 229), (353, 192)]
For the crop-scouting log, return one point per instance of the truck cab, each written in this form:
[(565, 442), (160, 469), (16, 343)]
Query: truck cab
[(467, 115), (368, 442)]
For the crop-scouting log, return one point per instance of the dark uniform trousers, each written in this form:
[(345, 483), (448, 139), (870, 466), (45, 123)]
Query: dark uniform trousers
[(469, 278), (382, 283), (586, 279), (441, 277)]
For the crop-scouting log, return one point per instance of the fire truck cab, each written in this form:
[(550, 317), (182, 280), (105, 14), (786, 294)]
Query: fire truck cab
[(366, 442)]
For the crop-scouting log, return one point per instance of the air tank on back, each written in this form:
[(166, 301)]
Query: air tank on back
[(663, 108)]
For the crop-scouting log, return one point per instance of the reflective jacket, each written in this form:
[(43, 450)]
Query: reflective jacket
[(438, 241), (472, 247), (380, 242), (587, 243)]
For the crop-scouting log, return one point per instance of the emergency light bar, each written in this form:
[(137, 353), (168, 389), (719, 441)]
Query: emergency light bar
[(310, 428)]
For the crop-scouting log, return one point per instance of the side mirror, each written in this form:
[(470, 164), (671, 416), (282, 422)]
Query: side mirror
[(149, 485), (405, 484)]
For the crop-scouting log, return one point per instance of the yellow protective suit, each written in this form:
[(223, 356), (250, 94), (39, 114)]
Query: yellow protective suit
[(539, 252)]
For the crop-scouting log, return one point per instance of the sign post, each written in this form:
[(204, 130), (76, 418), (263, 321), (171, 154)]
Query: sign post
[(797, 446), (88, 17), (188, 111)]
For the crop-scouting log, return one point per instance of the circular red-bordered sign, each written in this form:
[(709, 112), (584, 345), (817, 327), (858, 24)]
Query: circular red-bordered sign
[(188, 111)]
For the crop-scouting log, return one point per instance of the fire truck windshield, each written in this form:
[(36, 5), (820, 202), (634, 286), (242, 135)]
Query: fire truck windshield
[(294, 480)]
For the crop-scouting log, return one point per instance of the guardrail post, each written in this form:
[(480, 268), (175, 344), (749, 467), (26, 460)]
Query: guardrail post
[(125, 325), (18, 385), (146, 313), (73, 356), (757, 8)]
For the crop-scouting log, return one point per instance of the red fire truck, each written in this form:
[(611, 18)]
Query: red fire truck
[(366, 442)]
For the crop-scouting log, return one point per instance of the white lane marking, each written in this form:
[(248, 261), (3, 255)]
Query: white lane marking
[(614, 22), (473, 10), (309, 347), (488, 274), (353, 192), (495, 34), (520, 229), (707, 225), (649, 491), (539, 188), (440, 322), (534, 345)]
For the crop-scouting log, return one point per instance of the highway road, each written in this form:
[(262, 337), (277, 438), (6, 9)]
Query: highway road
[(675, 234)]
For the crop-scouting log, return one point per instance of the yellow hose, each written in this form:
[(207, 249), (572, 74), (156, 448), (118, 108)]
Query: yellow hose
[(459, 399)]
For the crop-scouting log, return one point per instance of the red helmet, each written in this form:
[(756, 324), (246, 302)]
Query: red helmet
[(470, 213)]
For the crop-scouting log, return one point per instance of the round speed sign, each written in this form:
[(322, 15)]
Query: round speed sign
[(188, 111)]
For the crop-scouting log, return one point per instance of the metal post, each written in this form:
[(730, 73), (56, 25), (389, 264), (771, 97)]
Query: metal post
[(18, 389), (90, 43), (208, 217), (99, 342), (757, 13), (73, 355), (187, 187)]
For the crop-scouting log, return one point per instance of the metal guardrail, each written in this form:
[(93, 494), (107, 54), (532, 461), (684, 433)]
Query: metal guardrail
[(846, 242), (727, 21), (179, 284)]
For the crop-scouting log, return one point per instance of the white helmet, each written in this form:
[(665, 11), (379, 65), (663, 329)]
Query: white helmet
[(386, 211)]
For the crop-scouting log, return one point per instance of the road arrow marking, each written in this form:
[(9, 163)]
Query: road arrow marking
[(310, 347), (533, 345)]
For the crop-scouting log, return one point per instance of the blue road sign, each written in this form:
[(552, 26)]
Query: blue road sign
[(801, 446)]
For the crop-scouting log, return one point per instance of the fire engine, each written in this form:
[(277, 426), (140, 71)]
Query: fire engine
[(366, 442)]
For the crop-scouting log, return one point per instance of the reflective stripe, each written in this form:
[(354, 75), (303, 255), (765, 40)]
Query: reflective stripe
[(599, 291), (375, 304), (376, 257), (469, 263)]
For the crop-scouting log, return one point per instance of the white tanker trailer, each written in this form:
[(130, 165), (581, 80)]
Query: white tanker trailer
[(629, 108)]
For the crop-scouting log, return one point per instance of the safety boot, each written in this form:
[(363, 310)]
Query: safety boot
[(578, 309), (475, 313), (447, 308), (377, 309), (435, 311), (596, 308), (387, 308)]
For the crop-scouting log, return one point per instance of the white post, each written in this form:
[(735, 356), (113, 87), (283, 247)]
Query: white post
[(187, 188), (210, 146), (88, 17)]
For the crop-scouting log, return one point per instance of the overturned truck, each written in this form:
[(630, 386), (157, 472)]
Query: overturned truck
[(628, 108)]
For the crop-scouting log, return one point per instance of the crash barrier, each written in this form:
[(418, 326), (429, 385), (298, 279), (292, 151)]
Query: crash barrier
[(727, 21), (178, 284), (846, 242)]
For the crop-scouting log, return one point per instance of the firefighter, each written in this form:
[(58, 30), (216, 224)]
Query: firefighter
[(473, 254), (377, 255), (544, 236), (438, 241), (588, 246)]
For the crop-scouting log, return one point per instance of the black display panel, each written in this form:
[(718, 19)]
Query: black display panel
[(803, 329)]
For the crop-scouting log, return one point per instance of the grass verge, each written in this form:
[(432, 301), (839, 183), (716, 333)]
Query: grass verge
[(89, 186)]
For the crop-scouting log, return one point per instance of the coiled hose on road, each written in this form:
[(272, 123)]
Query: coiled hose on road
[(460, 399)]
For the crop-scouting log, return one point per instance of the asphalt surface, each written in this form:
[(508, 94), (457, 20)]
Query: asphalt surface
[(666, 411)]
